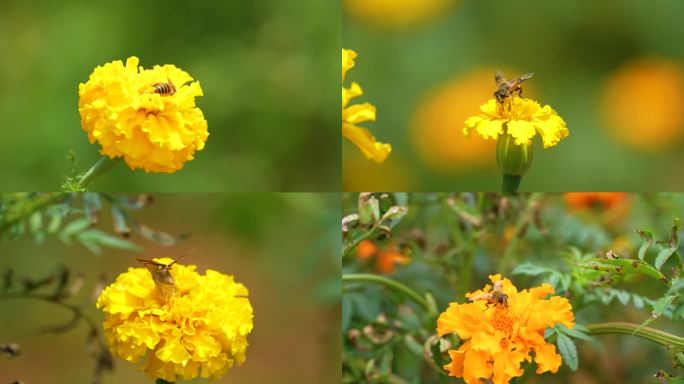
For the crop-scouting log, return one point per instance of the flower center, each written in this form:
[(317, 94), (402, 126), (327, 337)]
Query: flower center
[(502, 320), (514, 108)]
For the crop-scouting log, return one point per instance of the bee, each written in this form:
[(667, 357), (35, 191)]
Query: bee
[(507, 87), (496, 296), (161, 274), (164, 89)]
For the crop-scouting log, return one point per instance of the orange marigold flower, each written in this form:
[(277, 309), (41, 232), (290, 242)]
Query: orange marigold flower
[(605, 200), (499, 337), (385, 260), (366, 249)]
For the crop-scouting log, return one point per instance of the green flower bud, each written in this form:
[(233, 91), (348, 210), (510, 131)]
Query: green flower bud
[(513, 159)]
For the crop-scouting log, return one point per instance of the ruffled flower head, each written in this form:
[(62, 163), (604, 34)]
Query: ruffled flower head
[(521, 118), (146, 116), (359, 113), (498, 337), (201, 330)]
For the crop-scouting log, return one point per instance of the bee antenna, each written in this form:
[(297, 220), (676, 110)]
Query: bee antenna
[(182, 256)]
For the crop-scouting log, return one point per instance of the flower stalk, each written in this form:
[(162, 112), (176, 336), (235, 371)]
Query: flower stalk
[(102, 166), (648, 333), (162, 381), (389, 283)]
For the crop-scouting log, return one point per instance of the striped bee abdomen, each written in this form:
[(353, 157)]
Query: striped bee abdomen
[(164, 89)]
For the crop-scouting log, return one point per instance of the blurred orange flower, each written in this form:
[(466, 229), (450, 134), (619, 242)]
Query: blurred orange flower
[(602, 200), (434, 128), (642, 104), (396, 14), (385, 260), (497, 340)]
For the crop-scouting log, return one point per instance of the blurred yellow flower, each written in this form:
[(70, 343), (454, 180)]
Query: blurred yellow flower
[(432, 131), (642, 104), (359, 113), (499, 337), (157, 132), (521, 118), (396, 13), (359, 174), (202, 331)]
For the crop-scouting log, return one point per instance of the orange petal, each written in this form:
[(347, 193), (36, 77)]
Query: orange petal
[(455, 368), (547, 359), (476, 365)]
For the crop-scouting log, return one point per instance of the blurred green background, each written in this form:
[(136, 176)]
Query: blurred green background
[(268, 70), (283, 247), (612, 69)]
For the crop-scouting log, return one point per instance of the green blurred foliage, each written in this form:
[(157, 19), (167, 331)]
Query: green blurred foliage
[(268, 70), (455, 241), (573, 46), (281, 246)]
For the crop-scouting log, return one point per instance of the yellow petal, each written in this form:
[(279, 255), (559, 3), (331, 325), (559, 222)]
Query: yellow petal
[(349, 93), (358, 113), (362, 138), (522, 131), (348, 57), (490, 129)]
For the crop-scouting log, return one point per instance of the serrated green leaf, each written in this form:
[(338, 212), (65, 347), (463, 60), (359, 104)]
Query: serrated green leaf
[(55, 223), (36, 222), (574, 332), (676, 285), (105, 239), (622, 296), (73, 228), (638, 301), (568, 350), (662, 257), (530, 270), (661, 305), (648, 242), (627, 266)]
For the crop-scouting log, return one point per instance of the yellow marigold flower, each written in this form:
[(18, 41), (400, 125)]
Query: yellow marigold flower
[(359, 113), (499, 337), (157, 132), (519, 117), (201, 331), (397, 13)]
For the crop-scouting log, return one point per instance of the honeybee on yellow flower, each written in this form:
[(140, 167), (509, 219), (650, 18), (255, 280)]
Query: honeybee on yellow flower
[(163, 279), (164, 89), (505, 88), (496, 296)]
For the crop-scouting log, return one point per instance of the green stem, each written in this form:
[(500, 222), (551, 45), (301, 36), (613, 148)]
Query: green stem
[(389, 283), (42, 200), (162, 381), (102, 166), (525, 218), (648, 333), (510, 183)]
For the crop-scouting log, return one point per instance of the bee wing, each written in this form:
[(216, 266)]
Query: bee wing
[(147, 261), (525, 77), (499, 78), (483, 296)]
